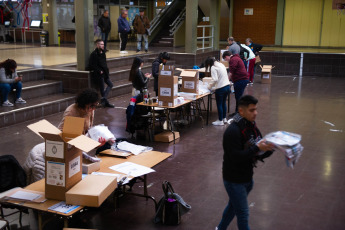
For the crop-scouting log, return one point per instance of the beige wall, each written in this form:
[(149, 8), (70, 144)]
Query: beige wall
[(114, 15)]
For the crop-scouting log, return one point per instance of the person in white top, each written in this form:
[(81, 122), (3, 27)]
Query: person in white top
[(221, 83), (250, 64)]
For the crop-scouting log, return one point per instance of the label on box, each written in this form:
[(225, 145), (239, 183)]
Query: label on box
[(189, 85), (54, 149), (160, 103), (175, 89), (266, 76), (74, 166), (55, 173), (165, 92), (166, 73)]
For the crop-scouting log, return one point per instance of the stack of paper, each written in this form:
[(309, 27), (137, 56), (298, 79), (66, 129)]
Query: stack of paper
[(24, 195), (135, 149)]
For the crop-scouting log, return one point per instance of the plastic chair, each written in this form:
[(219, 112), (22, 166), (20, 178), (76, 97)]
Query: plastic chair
[(4, 224), (11, 175)]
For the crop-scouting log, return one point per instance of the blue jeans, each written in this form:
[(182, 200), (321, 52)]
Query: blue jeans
[(221, 95), (6, 88), (238, 205), (104, 37), (239, 87), (140, 38)]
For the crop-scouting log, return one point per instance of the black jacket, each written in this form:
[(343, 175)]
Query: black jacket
[(155, 67), (240, 150), (105, 24), (98, 63), (140, 81), (256, 48)]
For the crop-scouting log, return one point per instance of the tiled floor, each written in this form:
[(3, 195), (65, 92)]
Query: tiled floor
[(310, 196)]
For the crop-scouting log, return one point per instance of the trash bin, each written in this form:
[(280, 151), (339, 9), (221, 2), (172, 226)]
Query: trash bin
[(59, 40), (44, 38)]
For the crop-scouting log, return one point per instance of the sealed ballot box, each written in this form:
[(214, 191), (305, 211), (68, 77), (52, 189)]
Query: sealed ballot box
[(266, 75), (190, 81), (167, 86), (63, 154)]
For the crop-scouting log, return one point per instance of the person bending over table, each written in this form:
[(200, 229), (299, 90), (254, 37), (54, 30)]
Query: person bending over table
[(221, 83), (9, 80), (137, 77), (161, 59), (85, 104)]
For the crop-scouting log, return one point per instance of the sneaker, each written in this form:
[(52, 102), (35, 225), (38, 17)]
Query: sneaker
[(218, 122), (225, 121), (146, 51), (123, 52), (20, 101), (7, 103), (138, 51)]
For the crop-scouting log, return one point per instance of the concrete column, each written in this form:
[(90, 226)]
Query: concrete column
[(191, 26), (231, 18), (49, 7), (215, 21), (280, 22), (84, 29)]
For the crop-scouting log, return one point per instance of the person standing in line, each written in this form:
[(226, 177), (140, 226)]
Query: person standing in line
[(237, 73), (141, 25), (220, 81), (161, 59), (243, 147), (9, 80), (256, 48), (124, 29), (105, 24), (100, 72)]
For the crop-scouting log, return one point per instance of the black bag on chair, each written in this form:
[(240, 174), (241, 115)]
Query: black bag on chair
[(170, 207)]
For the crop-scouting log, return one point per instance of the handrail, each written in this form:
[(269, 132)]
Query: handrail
[(210, 37), (177, 22), (156, 20)]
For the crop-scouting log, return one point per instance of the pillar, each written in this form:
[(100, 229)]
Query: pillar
[(231, 18), (280, 23), (191, 26), (215, 21), (49, 7), (84, 29)]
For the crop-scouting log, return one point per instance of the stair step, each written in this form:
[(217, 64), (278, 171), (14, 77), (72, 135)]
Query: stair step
[(40, 88), (118, 74), (35, 108)]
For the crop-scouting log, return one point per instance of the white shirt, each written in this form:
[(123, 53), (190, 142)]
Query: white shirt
[(219, 75), (251, 54)]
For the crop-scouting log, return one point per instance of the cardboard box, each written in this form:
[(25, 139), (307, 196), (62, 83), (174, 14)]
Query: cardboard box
[(89, 166), (266, 74), (190, 81), (166, 136), (63, 155), (166, 70), (168, 90), (91, 191)]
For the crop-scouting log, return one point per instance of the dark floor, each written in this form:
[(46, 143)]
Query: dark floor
[(310, 196)]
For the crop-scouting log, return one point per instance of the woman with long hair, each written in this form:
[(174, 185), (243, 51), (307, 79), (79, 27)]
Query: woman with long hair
[(136, 76), (9, 80)]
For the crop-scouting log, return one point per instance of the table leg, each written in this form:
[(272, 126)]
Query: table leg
[(229, 102), (40, 227), (209, 100)]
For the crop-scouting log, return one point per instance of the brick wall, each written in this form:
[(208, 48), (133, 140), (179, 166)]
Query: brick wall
[(260, 26)]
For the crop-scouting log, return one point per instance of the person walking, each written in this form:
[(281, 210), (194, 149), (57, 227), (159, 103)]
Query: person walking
[(100, 72), (243, 147), (124, 29), (141, 25), (105, 24)]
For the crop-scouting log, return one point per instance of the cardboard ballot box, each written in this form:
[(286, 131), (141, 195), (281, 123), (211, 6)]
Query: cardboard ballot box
[(167, 86), (190, 81), (63, 155), (89, 166), (91, 191), (166, 136), (266, 74)]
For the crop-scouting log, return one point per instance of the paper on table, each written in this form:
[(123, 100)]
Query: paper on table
[(63, 207), (135, 149), (22, 195), (132, 169)]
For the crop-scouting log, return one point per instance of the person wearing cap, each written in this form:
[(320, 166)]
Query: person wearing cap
[(141, 25), (161, 59)]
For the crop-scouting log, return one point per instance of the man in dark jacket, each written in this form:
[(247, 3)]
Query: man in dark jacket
[(243, 147), (162, 59), (105, 25), (124, 29), (100, 72), (238, 74), (141, 25)]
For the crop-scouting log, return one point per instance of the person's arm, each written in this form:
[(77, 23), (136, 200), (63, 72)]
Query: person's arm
[(155, 69), (93, 63), (214, 76), (147, 23), (135, 24), (141, 78), (100, 24), (257, 49), (4, 79)]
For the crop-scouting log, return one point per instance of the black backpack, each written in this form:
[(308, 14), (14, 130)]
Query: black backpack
[(244, 54)]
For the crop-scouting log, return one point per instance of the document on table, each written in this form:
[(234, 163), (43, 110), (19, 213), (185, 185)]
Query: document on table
[(22, 195), (131, 169), (63, 207)]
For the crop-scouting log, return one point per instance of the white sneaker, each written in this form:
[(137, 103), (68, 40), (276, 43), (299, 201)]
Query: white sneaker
[(122, 52), (20, 101), (225, 121), (218, 122), (7, 103)]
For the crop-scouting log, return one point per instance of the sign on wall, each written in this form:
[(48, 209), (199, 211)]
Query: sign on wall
[(248, 11)]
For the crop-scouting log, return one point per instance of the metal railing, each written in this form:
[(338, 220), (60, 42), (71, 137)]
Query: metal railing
[(157, 19), (209, 37), (177, 22)]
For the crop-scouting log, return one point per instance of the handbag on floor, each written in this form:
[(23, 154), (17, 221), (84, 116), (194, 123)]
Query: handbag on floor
[(170, 207)]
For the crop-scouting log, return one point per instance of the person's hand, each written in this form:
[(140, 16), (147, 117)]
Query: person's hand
[(111, 141), (148, 75), (227, 47), (16, 79), (102, 141), (101, 72), (264, 146)]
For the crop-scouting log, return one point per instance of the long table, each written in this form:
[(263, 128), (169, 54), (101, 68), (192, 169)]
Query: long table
[(148, 159)]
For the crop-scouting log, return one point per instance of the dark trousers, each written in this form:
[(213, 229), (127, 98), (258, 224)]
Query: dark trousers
[(105, 39), (104, 93), (123, 41), (221, 95), (239, 87), (155, 85)]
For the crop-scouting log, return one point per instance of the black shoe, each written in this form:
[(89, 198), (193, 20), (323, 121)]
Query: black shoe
[(146, 51), (107, 104), (138, 51), (103, 102)]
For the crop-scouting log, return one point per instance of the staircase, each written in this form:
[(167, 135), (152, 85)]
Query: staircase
[(164, 39)]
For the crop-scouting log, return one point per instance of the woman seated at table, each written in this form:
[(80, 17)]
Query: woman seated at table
[(221, 83), (85, 105), (137, 77), (9, 80)]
